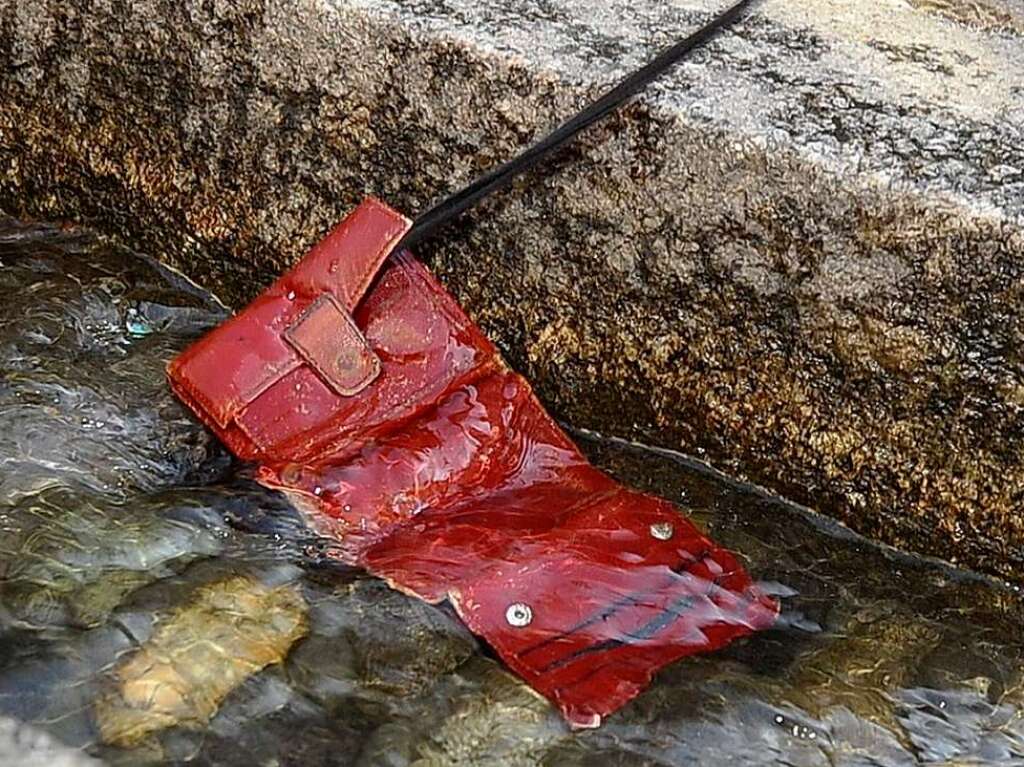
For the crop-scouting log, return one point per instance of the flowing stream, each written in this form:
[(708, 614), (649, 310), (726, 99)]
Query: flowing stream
[(159, 607)]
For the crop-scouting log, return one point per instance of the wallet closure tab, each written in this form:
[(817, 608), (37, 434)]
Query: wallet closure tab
[(326, 337)]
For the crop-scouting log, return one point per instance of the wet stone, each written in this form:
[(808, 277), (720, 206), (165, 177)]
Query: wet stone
[(231, 630), (875, 654), (482, 715), (268, 722), (502, 721), (355, 659), (114, 318), (69, 559), (52, 679)]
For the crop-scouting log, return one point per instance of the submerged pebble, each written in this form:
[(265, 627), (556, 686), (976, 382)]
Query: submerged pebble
[(501, 721), (375, 650), (228, 632), (69, 559)]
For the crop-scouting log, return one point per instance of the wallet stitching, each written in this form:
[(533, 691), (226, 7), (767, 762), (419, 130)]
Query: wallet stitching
[(208, 406), (244, 443), (238, 404)]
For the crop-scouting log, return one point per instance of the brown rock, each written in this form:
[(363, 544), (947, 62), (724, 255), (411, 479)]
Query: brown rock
[(231, 630)]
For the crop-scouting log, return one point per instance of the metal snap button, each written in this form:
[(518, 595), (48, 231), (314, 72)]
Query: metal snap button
[(519, 615), (662, 530)]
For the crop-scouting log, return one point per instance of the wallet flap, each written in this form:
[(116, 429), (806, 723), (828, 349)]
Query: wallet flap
[(589, 633), (327, 338), (235, 363)]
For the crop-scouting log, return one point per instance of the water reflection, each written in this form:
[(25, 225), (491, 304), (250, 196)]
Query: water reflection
[(156, 606)]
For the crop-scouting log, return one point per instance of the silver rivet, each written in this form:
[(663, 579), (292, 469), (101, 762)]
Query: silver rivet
[(662, 530), (519, 615)]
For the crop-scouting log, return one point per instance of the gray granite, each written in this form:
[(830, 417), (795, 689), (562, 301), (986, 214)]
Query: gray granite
[(880, 91), (800, 257)]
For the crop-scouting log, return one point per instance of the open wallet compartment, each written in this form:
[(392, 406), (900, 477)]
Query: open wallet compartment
[(363, 390)]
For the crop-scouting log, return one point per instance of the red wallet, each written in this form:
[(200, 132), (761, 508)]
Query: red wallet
[(367, 394)]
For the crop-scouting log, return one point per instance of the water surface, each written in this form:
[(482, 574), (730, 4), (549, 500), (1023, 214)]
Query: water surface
[(158, 607)]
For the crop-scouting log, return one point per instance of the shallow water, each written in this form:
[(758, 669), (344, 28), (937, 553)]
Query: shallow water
[(156, 606)]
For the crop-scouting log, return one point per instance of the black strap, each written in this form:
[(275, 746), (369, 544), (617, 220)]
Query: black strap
[(499, 177)]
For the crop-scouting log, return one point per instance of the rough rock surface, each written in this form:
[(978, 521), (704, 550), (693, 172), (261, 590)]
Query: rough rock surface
[(800, 257)]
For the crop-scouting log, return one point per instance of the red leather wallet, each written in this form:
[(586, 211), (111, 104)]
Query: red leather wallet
[(367, 394)]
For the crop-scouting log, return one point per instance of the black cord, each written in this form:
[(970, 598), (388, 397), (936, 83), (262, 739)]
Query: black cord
[(499, 177)]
